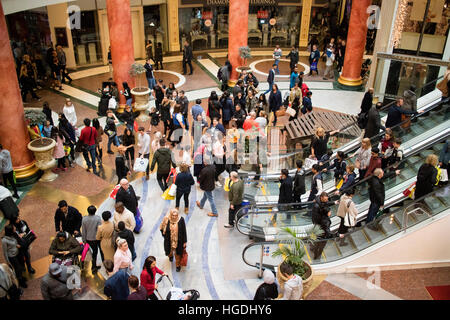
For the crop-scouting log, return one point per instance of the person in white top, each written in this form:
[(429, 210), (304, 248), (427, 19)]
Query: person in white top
[(329, 64), (277, 54), (155, 142), (69, 112), (262, 119), (122, 257), (144, 147), (125, 215)]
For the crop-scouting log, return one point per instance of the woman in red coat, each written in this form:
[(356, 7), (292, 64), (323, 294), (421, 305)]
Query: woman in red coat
[(148, 277)]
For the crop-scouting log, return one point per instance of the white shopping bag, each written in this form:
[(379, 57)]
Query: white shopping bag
[(309, 163), (173, 190), (140, 165), (444, 175)]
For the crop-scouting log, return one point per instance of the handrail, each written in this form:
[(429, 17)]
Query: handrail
[(372, 139), (375, 222)]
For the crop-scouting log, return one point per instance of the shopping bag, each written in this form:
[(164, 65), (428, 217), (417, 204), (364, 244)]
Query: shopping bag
[(85, 251), (228, 184), (314, 66), (444, 175), (172, 190), (340, 183), (409, 192), (113, 193), (309, 163), (139, 221), (166, 195), (140, 165), (184, 258), (135, 126), (290, 111)]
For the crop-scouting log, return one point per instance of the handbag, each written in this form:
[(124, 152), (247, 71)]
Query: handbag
[(29, 237), (85, 251), (409, 192), (290, 111), (13, 293), (314, 66), (140, 165), (349, 221), (442, 86), (184, 258), (81, 146), (406, 123), (172, 190)]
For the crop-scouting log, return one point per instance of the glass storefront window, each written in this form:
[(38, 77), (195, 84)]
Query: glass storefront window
[(86, 41), (155, 29)]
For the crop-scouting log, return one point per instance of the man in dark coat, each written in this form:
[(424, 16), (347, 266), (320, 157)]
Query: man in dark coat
[(366, 103), (321, 213), (285, 187), (271, 78), (163, 157), (394, 116), (299, 182), (187, 57), (376, 194), (373, 126), (207, 184), (184, 103), (127, 196), (294, 57), (116, 286), (67, 219)]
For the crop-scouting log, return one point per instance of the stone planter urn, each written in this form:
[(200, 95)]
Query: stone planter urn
[(43, 153), (306, 283), (141, 98)]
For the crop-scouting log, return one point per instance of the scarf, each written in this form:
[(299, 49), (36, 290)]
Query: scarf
[(173, 229)]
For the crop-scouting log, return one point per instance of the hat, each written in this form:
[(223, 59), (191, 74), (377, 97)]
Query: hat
[(54, 269), (375, 150), (268, 276)]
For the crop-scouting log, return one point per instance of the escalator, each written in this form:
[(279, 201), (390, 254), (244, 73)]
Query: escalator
[(423, 128), (328, 253), (263, 221)]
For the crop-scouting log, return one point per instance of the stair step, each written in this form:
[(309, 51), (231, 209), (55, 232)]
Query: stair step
[(359, 240)]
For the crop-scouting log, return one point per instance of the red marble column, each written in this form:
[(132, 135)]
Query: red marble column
[(13, 131), (237, 33), (121, 41), (356, 42)]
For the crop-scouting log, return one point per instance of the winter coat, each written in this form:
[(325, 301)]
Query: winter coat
[(376, 191), (373, 126), (163, 157), (236, 193), (128, 199), (70, 223), (366, 103), (121, 167), (286, 191), (275, 100), (299, 182), (104, 234), (227, 109), (444, 156), (55, 289), (58, 152), (70, 244), (116, 286), (266, 292), (293, 288), (182, 238), (147, 281), (375, 162), (426, 179), (344, 208), (207, 178), (184, 181), (394, 116)]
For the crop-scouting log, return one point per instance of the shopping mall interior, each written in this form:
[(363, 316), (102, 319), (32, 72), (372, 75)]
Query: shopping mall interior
[(374, 75)]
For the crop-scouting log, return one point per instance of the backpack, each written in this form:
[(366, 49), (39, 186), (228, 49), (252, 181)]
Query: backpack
[(362, 120)]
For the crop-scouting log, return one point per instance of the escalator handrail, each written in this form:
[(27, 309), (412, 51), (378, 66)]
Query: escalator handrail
[(251, 207), (351, 231), (374, 138)]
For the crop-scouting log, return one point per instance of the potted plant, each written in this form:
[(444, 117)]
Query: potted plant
[(41, 147), (292, 251), (244, 53), (140, 92)]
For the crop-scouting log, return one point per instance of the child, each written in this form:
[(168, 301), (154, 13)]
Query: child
[(323, 162), (339, 166), (154, 115), (58, 152)]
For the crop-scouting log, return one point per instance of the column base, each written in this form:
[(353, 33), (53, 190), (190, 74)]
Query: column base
[(350, 84), (27, 174), (232, 83)]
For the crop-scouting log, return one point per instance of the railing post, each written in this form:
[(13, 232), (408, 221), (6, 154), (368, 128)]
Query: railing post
[(261, 262)]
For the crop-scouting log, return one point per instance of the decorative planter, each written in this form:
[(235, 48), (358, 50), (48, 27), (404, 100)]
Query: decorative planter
[(306, 283), (43, 153), (243, 68), (141, 98)]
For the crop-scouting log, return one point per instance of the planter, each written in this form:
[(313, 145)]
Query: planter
[(243, 68), (141, 102), (43, 153), (306, 283)]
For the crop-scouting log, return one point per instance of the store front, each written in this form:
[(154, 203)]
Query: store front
[(86, 40), (205, 23)]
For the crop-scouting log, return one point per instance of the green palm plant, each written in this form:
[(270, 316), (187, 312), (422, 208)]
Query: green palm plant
[(136, 70), (292, 252)]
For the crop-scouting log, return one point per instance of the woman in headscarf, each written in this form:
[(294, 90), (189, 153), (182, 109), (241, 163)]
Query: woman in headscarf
[(173, 229), (268, 290)]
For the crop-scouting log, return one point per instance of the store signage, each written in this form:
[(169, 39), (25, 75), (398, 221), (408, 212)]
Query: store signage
[(217, 3), (207, 15), (263, 14)]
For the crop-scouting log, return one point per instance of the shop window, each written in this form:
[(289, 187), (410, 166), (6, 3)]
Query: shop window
[(86, 41)]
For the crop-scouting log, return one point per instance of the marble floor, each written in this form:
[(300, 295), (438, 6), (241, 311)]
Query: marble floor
[(215, 267)]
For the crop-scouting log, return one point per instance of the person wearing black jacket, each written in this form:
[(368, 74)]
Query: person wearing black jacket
[(294, 57), (426, 176), (121, 167), (128, 235), (127, 196), (127, 117), (184, 103), (67, 219), (376, 194), (149, 74), (268, 290), (184, 181), (187, 57), (239, 116), (373, 125), (366, 103), (394, 116), (206, 179), (159, 92), (275, 102), (299, 182), (170, 221), (271, 78), (321, 213), (23, 229), (285, 195), (159, 56)]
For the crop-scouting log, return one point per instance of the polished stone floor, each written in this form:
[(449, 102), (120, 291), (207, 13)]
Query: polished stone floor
[(215, 266)]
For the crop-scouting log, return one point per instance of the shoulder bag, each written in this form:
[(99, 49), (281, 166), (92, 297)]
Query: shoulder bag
[(81, 146)]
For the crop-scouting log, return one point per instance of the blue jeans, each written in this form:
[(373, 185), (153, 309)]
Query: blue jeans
[(90, 163), (270, 88), (208, 195), (114, 139), (373, 210), (129, 101), (151, 83), (277, 61)]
